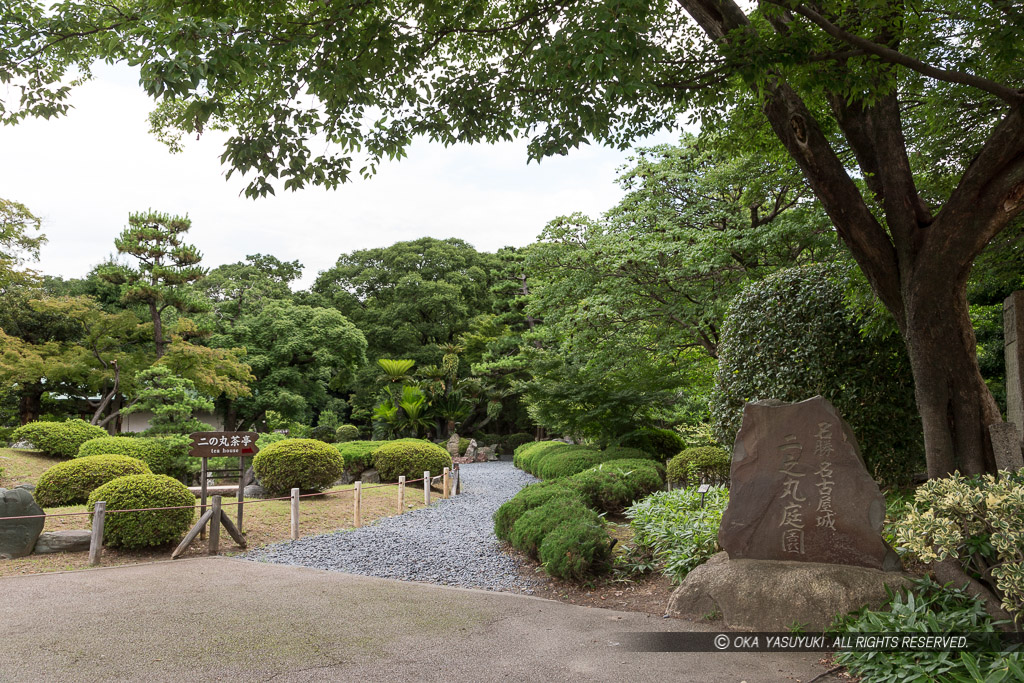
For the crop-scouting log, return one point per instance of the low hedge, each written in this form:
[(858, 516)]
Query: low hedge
[(530, 529), (306, 464), (158, 453), (358, 455), (346, 433), (530, 456), (71, 482), (611, 486), (575, 549), (149, 528), (528, 498), (664, 443), (410, 457), (701, 465), (565, 463), (58, 439)]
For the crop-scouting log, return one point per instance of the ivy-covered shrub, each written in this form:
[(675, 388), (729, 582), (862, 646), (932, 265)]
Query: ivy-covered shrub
[(323, 433), (58, 439), (71, 482), (530, 529), (575, 549), (701, 465), (410, 457), (528, 498), (790, 337), (149, 528), (664, 443), (613, 485), (676, 529), (977, 520), (358, 455), (346, 433), (157, 453), (306, 464)]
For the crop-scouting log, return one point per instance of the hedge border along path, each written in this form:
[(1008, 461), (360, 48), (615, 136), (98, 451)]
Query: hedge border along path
[(451, 543)]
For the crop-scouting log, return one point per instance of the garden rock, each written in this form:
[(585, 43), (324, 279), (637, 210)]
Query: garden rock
[(453, 445), (487, 454), (71, 541), (766, 595), (800, 490), (18, 536), (370, 477), (28, 487), (254, 491), (249, 477)]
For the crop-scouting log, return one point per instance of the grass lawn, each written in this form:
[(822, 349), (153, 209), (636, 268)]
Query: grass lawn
[(263, 521)]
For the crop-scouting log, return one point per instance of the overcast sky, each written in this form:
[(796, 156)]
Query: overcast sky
[(84, 173)]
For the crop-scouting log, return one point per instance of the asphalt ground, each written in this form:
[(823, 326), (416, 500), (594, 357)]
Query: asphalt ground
[(223, 619)]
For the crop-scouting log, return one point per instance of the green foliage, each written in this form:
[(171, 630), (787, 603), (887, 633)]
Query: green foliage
[(172, 400), (60, 439), (575, 549), (791, 337), (71, 482), (358, 455), (20, 240), (323, 433), (142, 529), (933, 609), (268, 438), (628, 453), (529, 456), (411, 457), (463, 445), (701, 465), (529, 530), (162, 455), (305, 464), (676, 529), (346, 433), (528, 498), (510, 442), (978, 521), (613, 485), (566, 463), (665, 443)]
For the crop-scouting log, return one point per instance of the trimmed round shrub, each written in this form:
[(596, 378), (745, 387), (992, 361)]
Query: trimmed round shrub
[(156, 453), (627, 453), (71, 482), (322, 433), (566, 463), (531, 455), (346, 433), (305, 464), (662, 443), (358, 455), (701, 465), (530, 529), (410, 457), (60, 439), (528, 498), (611, 487), (149, 528), (575, 549)]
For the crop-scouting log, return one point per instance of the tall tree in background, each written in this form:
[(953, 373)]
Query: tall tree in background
[(165, 266), (20, 240)]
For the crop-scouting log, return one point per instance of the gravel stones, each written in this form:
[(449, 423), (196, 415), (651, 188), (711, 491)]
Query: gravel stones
[(450, 543)]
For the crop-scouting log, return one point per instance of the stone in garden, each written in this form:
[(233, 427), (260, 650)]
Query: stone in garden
[(800, 491), (768, 595), (370, 476), (486, 453), (71, 541), (18, 536), (254, 491), (28, 487), (470, 455), (453, 445), (1006, 446), (249, 477)]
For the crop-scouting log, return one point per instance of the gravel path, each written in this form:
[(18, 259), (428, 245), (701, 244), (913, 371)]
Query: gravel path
[(451, 542)]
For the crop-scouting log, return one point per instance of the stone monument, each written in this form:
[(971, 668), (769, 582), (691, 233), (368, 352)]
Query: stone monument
[(18, 536)]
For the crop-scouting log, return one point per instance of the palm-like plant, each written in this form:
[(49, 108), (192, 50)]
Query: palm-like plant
[(414, 405)]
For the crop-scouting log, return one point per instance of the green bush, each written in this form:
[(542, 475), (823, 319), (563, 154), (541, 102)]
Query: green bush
[(611, 487), (528, 457), (305, 464), (566, 463), (663, 443), (932, 609), (323, 433), (71, 482), (790, 337), (358, 455), (157, 453), (625, 452), (268, 438), (511, 442), (410, 457), (346, 433), (575, 549), (530, 529), (528, 498), (677, 529), (701, 465), (463, 445), (142, 529), (59, 439)]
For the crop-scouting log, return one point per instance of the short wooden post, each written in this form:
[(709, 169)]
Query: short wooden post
[(99, 515), (202, 496), (241, 490), (214, 547), (426, 487), (357, 503), (295, 514), (401, 494), (446, 484)]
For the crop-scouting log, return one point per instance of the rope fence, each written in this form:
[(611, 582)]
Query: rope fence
[(215, 516)]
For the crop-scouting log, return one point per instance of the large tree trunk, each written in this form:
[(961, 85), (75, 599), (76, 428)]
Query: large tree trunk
[(30, 403)]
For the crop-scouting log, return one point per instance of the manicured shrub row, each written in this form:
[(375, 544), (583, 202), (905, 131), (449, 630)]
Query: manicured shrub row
[(663, 443), (71, 482), (410, 457), (58, 439), (555, 459), (358, 455), (528, 498), (702, 465), (141, 529), (305, 464), (613, 485), (163, 455)]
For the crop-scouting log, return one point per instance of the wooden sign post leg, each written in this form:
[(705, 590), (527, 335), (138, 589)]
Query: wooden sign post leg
[(215, 526), (202, 498), (241, 490)]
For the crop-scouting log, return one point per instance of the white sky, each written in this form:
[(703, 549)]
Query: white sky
[(84, 173)]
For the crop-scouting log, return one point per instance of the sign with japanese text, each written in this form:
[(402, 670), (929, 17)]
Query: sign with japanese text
[(220, 444)]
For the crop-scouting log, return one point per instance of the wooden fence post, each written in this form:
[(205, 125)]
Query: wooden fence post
[(357, 502), (214, 546), (99, 515), (426, 487), (295, 514), (241, 490), (401, 494), (446, 484)]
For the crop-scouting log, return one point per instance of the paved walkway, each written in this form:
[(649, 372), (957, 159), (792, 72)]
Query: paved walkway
[(223, 619)]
